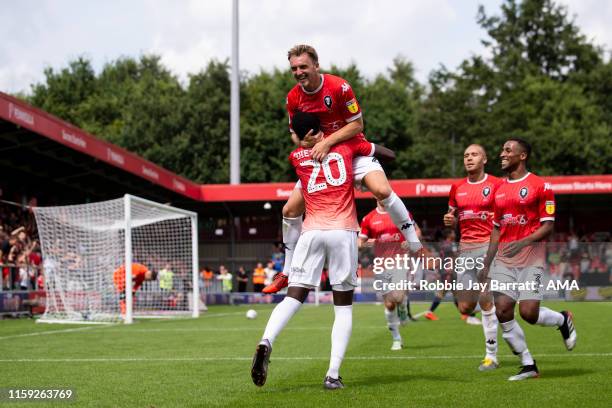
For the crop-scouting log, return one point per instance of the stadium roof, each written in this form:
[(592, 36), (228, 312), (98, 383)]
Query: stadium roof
[(61, 159)]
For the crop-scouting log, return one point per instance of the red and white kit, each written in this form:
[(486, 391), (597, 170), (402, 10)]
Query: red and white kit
[(330, 227), (473, 202), (335, 105), (378, 225), (520, 207)]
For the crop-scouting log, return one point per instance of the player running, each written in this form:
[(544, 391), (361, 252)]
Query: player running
[(470, 205), (329, 234), (140, 273), (331, 98), (378, 230), (523, 217)]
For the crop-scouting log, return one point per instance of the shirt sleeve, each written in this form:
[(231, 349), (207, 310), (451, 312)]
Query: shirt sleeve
[(452, 201), (547, 205), (349, 107), (291, 106), (365, 228), (497, 213), (362, 147)]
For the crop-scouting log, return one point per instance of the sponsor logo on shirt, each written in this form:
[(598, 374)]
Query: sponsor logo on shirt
[(345, 87), (509, 219), (352, 106)]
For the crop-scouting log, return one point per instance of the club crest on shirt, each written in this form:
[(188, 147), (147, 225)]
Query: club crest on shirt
[(486, 191), (327, 100), (352, 106), (523, 193)]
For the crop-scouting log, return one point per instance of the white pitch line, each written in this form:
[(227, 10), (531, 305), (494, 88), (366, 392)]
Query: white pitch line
[(44, 333), (230, 329), (303, 358)]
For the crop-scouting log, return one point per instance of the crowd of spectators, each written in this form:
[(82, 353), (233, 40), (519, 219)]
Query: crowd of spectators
[(20, 254), (586, 258), (244, 279)]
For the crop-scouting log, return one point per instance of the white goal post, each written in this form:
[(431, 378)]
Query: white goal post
[(93, 254)]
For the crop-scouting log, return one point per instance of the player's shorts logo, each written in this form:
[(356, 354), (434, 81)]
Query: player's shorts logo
[(352, 106), (550, 207), (298, 270), (327, 100), (523, 193), (486, 191)]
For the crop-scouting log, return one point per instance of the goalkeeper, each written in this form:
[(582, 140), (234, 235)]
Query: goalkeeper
[(140, 273)]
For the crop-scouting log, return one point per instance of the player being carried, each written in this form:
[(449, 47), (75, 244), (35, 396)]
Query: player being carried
[(470, 205), (140, 273), (331, 98), (524, 214), (329, 235), (378, 230)]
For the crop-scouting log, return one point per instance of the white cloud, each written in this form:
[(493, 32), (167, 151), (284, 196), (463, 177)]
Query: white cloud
[(594, 18), (189, 33)]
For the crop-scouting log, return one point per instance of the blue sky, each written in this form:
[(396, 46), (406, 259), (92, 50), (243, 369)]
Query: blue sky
[(188, 33)]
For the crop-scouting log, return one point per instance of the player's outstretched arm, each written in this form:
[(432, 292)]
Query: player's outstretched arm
[(383, 153)]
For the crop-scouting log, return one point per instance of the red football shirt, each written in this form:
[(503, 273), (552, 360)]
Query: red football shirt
[(474, 207), (378, 225), (327, 186), (333, 102), (520, 207)]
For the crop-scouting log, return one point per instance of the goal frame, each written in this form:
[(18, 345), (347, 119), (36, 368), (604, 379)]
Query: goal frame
[(129, 317), (127, 202)]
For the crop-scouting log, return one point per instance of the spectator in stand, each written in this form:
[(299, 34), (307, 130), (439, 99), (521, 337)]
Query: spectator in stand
[(226, 279), (242, 278), (278, 258), (573, 245), (585, 263), (270, 273), (207, 276), (259, 278)]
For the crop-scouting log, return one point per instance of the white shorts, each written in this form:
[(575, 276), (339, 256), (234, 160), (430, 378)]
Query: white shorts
[(511, 279), (467, 267), (362, 165), (314, 248)]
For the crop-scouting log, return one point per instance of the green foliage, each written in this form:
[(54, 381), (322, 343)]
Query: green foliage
[(539, 79)]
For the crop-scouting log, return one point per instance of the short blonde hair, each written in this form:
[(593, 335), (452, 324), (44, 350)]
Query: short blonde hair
[(300, 49)]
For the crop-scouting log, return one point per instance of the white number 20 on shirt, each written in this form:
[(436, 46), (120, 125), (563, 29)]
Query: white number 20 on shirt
[(313, 186)]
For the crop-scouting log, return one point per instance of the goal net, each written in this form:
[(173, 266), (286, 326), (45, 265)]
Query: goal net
[(93, 256)]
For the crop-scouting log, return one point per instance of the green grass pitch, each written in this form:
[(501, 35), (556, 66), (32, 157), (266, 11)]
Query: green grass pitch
[(206, 362)]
